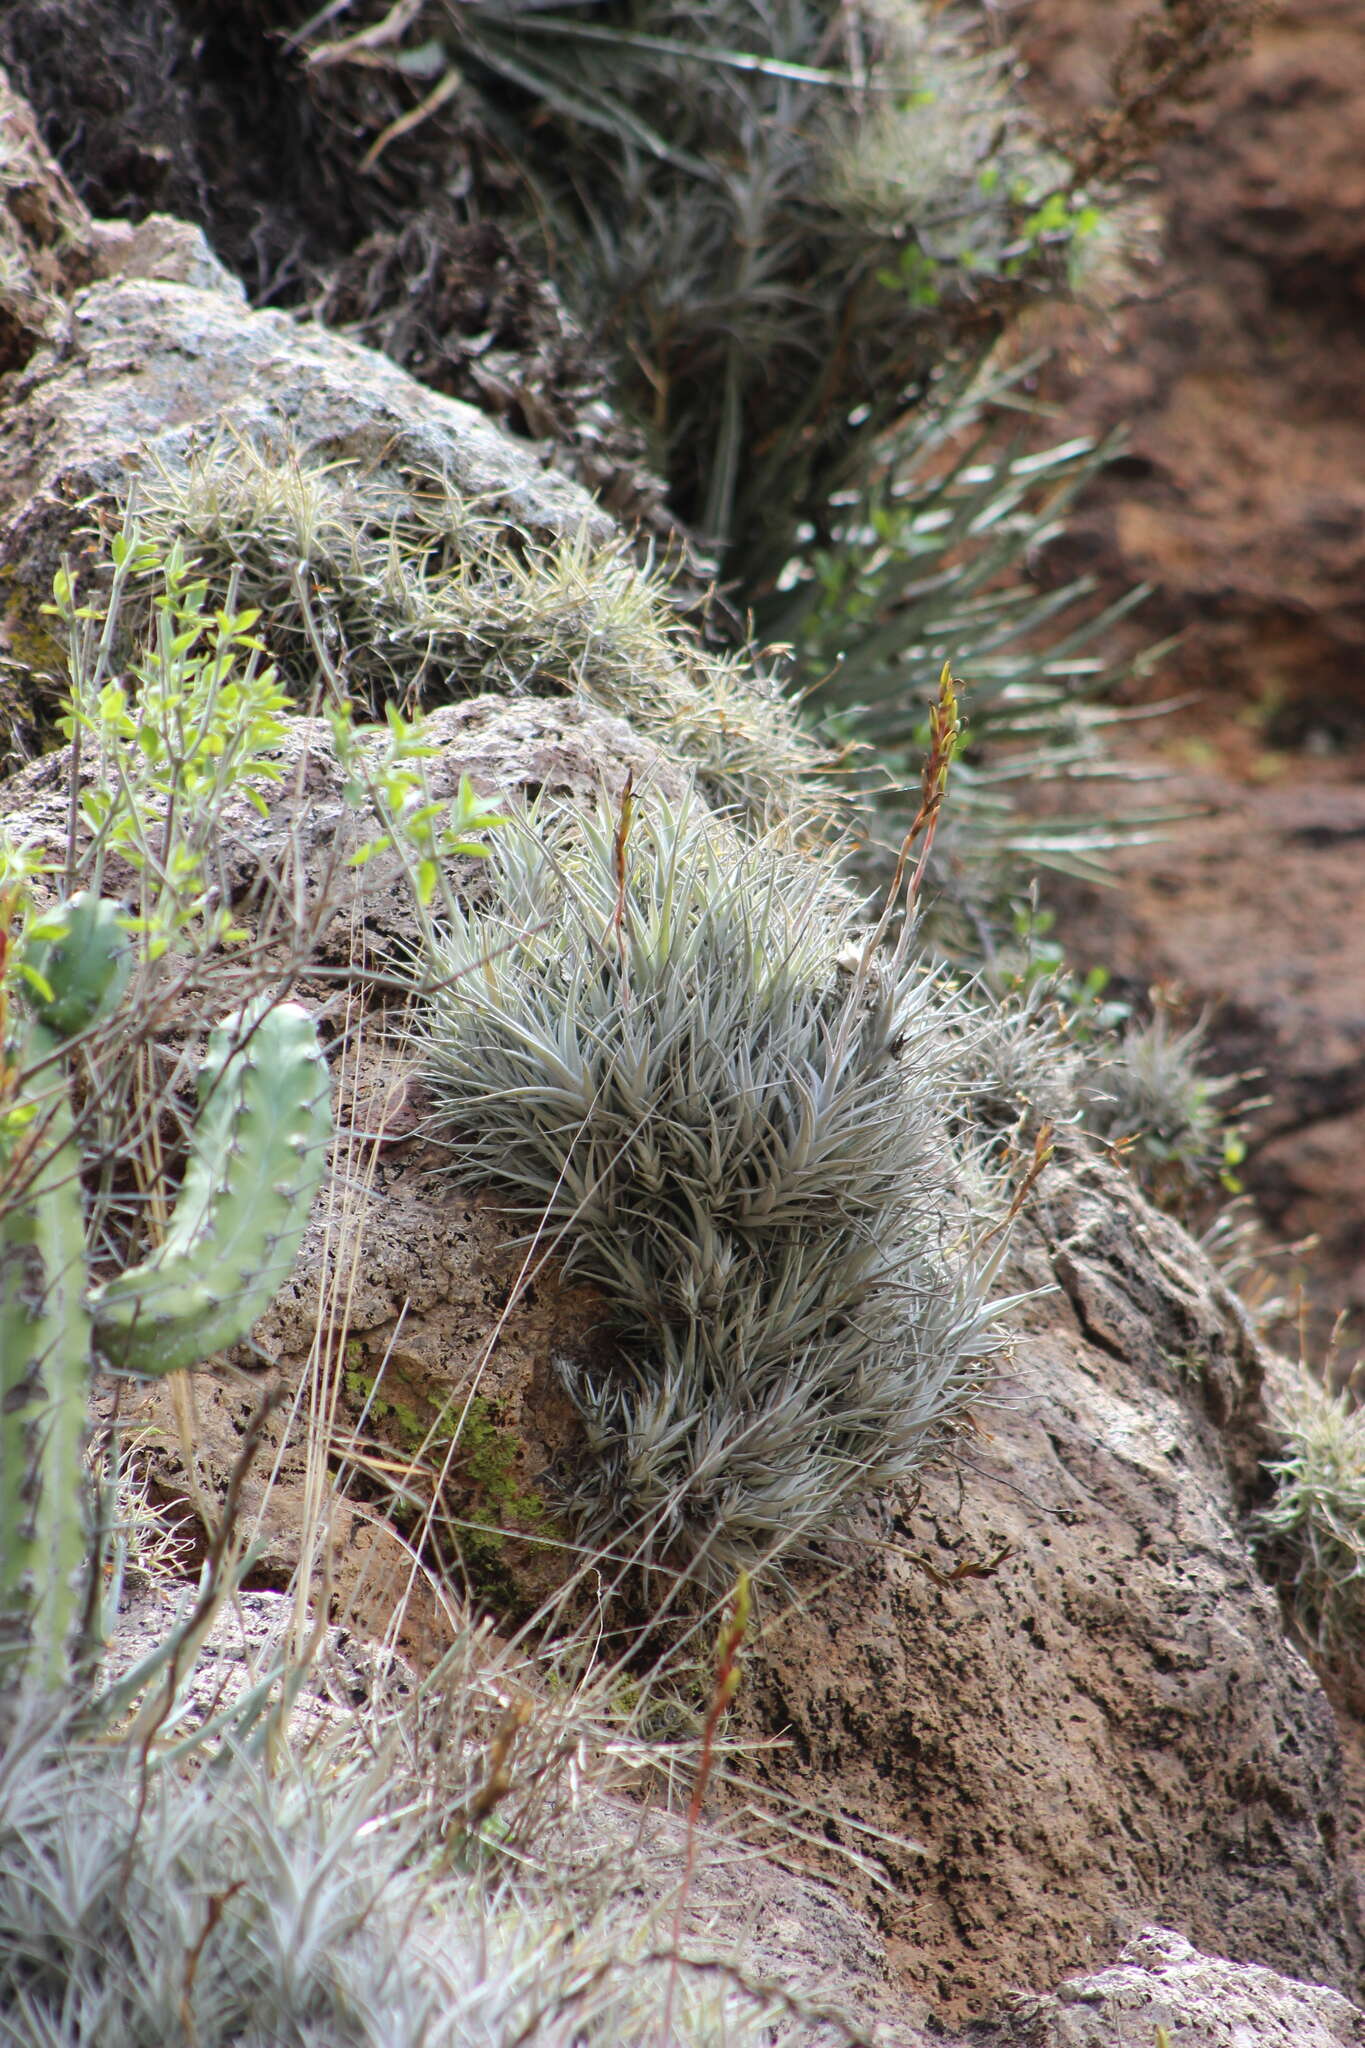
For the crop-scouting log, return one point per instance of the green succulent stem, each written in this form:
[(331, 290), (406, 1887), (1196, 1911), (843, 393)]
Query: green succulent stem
[(44, 1373), (255, 1163), (259, 1144)]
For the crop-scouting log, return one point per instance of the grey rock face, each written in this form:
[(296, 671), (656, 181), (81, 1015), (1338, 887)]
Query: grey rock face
[(1161, 1982), (146, 370)]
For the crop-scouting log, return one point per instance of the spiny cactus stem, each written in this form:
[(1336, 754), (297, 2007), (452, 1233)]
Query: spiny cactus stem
[(259, 1153), (44, 1366)]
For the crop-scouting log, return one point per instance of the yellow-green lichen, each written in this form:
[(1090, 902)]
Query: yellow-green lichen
[(471, 1457)]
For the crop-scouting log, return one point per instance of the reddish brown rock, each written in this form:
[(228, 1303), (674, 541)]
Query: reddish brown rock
[(1241, 376), (1252, 909)]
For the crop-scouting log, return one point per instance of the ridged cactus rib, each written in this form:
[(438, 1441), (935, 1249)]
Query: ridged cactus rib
[(257, 1158), (45, 1325), (259, 1152), (44, 1373)]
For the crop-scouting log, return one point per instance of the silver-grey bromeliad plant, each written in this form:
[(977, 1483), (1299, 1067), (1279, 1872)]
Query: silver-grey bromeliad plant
[(649, 1046)]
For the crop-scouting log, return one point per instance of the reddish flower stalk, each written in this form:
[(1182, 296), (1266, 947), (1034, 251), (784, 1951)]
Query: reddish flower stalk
[(945, 730)]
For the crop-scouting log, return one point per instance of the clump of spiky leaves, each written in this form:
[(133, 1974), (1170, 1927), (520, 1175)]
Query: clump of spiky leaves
[(649, 1048), (1313, 1532), (837, 196), (1018, 1067), (408, 591), (237, 1904), (1144, 1093), (931, 554)]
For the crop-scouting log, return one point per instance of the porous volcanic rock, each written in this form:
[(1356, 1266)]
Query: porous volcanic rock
[(46, 243), (1057, 1672), (743, 1911), (1202, 2001), (159, 357), (554, 750)]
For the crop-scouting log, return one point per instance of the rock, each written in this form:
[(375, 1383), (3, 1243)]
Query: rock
[(1239, 380), (148, 370), (442, 1385), (769, 1926), (168, 250), (1279, 968), (1057, 1671), (147, 109), (50, 246), (249, 1636), (46, 237), (1160, 1981)]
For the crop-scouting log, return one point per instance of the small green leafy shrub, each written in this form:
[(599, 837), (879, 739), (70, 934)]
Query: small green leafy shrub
[(134, 1232), (193, 717), (650, 1050)]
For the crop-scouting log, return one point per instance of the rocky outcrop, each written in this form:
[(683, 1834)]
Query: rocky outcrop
[(1057, 1671), (1161, 1982), (1046, 1699), (149, 369), (159, 359), (1049, 1697)]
